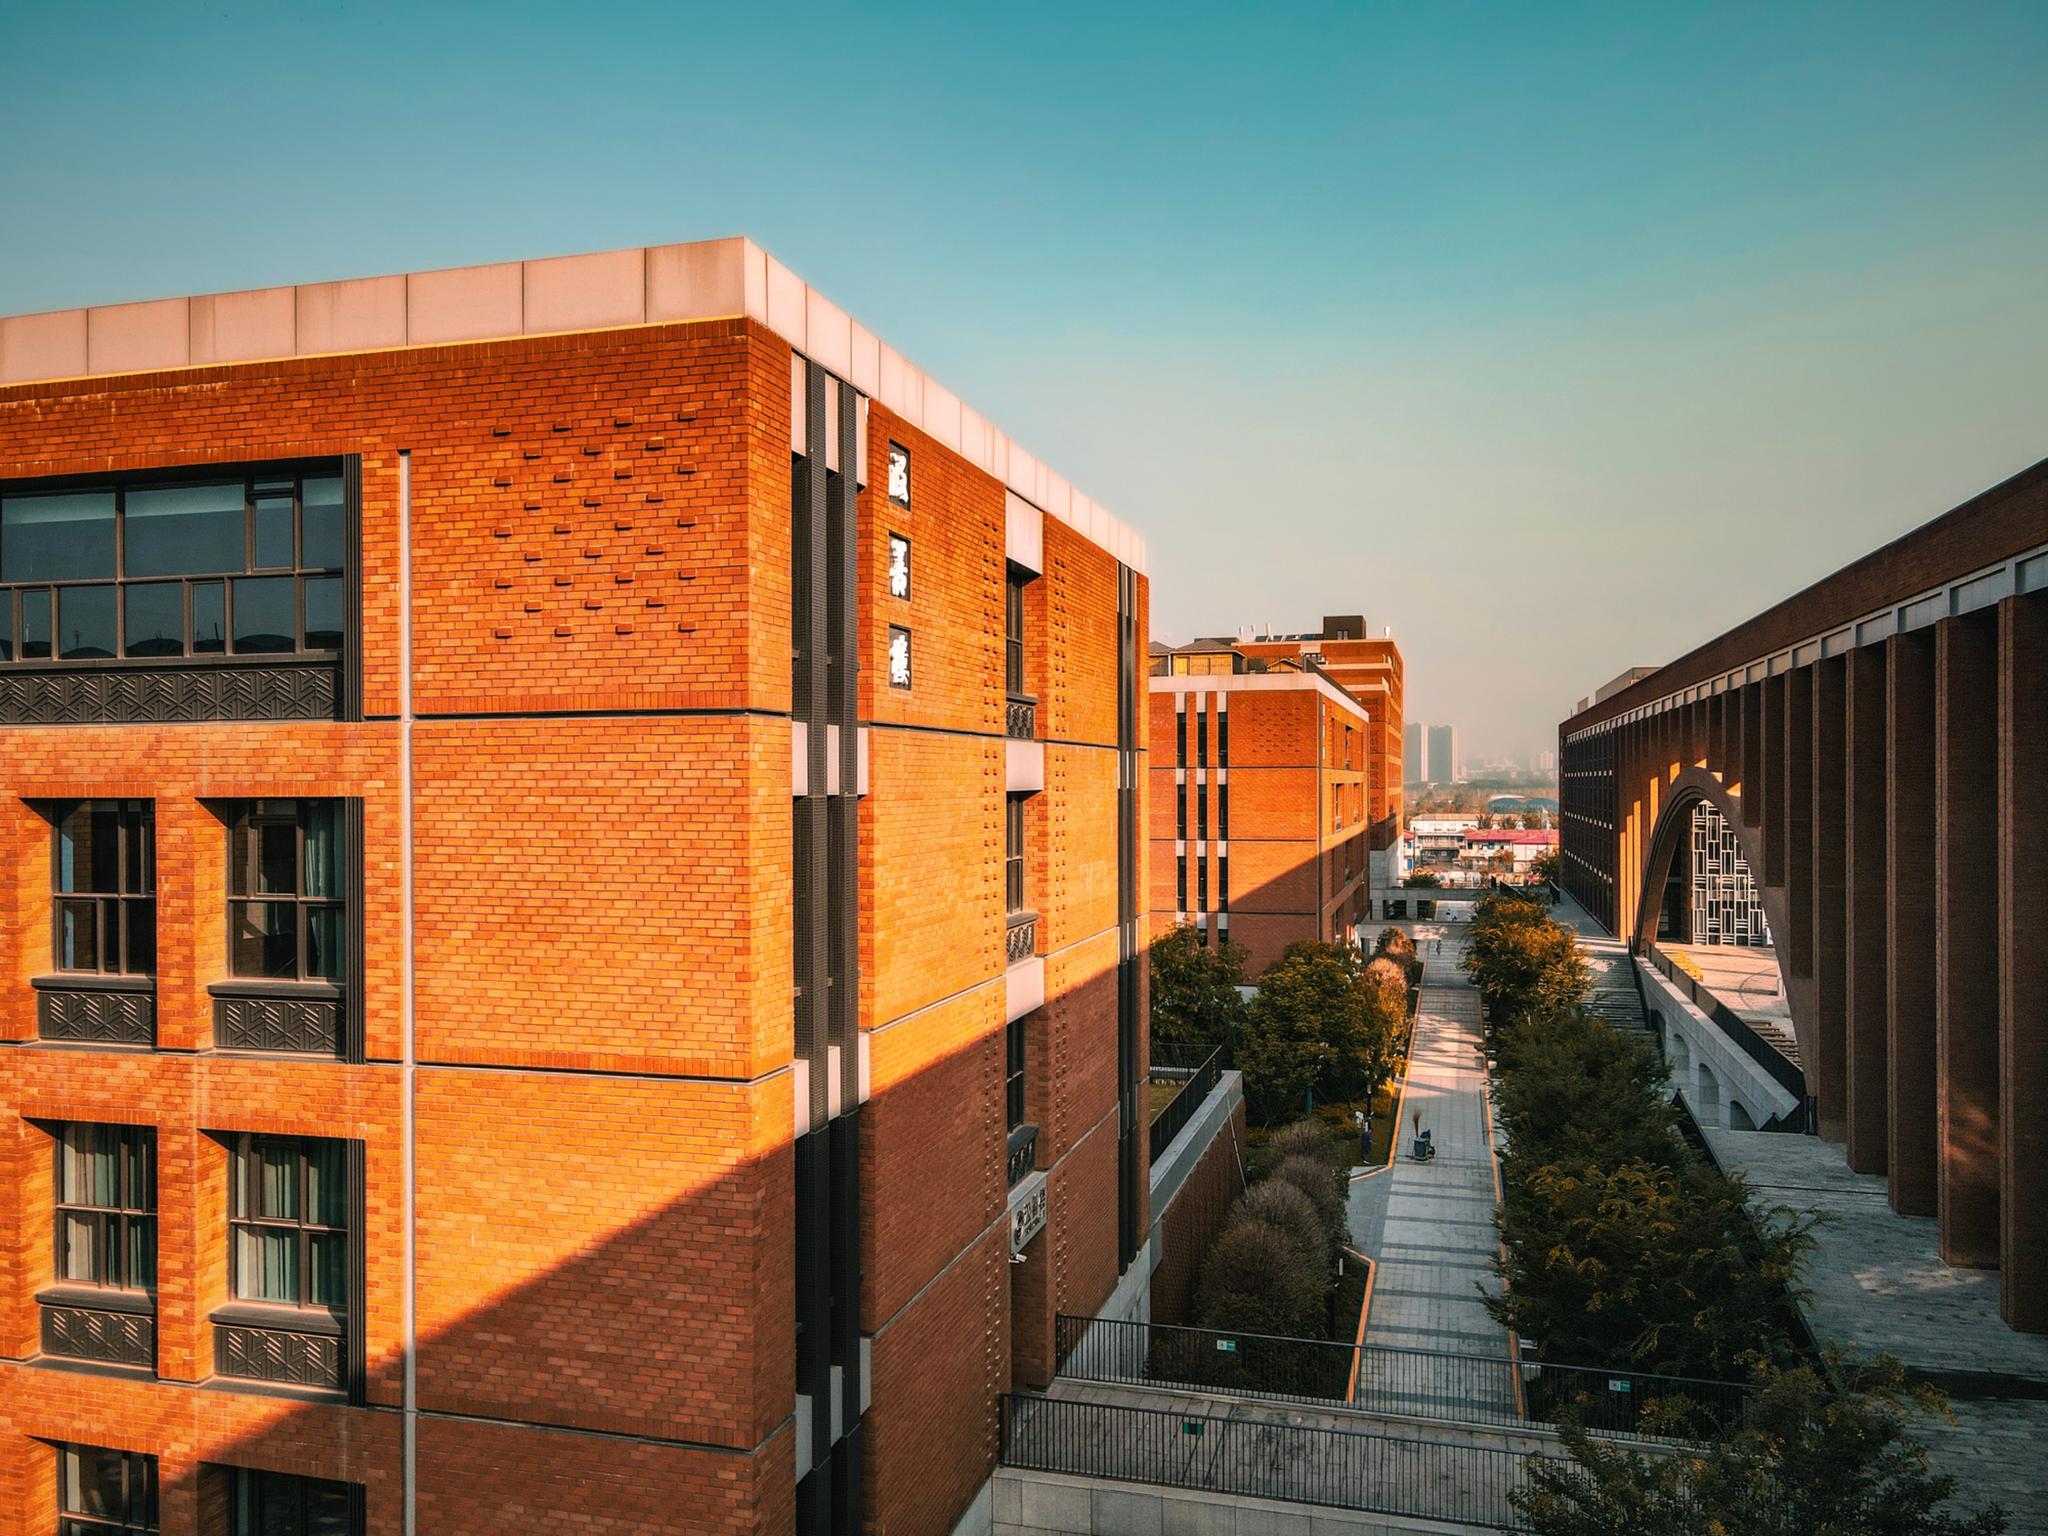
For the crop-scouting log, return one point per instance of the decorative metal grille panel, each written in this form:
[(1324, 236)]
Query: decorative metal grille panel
[(100, 1018), (1726, 906), (1020, 719), (306, 1026), (111, 1338), (1022, 940), (272, 1354), (171, 695)]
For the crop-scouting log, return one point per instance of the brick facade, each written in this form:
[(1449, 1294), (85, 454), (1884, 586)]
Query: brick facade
[(576, 995)]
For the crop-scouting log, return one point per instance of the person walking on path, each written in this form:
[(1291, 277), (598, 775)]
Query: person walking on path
[(1363, 1120)]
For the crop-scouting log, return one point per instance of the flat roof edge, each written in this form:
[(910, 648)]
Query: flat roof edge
[(560, 295)]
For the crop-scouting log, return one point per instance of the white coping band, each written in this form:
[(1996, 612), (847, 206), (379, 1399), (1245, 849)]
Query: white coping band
[(608, 290)]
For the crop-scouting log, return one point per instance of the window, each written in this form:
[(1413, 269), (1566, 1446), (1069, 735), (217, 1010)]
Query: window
[(285, 889), (1202, 811), (1180, 738), (1223, 737), (1180, 883), (1223, 883), (1013, 632), (1201, 737), (103, 878), (1223, 811), (1180, 809), (105, 1493), (279, 1504), (288, 1221), (1013, 854), (106, 1206), (248, 564), (1014, 1072)]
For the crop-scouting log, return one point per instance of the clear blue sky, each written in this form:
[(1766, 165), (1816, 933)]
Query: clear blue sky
[(1557, 337)]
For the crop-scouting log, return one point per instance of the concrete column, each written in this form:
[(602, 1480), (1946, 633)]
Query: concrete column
[(1910, 1155), (1797, 867), (1776, 823), (2023, 962), (1866, 956), (1826, 873), (1966, 935), (1752, 713)]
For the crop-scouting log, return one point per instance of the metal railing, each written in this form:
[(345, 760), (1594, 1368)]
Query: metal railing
[(1023, 1151), (1247, 1457), (1020, 937), (1242, 1364), (1415, 1383), (1020, 717), (1196, 1084), (1754, 1045)]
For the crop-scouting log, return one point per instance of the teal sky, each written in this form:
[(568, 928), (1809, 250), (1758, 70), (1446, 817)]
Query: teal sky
[(1557, 337)]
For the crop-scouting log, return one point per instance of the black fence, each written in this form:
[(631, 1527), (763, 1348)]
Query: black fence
[(1197, 1082), (1760, 1050), (1415, 1383), (1242, 1364), (1249, 1457)]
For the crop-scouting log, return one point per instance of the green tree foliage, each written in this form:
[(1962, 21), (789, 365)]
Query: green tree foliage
[(1280, 1204), (1195, 1001), (1548, 866), (1425, 879), (1301, 1138), (1808, 1458), (1521, 961), (1316, 1024), (1324, 1185)]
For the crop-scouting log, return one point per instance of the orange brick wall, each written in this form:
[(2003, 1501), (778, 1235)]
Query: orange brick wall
[(599, 555)]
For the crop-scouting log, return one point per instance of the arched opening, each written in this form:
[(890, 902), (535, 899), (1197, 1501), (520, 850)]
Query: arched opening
[(1706, 1104), (1739, 1118)]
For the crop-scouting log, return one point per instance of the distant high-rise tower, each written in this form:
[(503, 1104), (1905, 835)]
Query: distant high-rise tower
[(1444, 766), (1411, 752)]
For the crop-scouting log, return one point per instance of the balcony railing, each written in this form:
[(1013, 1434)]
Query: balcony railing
[(100, 1010), (1023, 1151), (296, 1018), (1786, 1074), (1020, 717), (1196, 1084), (1020, 937)]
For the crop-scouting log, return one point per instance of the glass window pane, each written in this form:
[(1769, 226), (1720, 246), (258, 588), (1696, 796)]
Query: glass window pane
[(266, 620), (141, 1253), (80, 1258), (278, 1180), (322, 820), (141, 957), (156, 619), (326, 1191), (323, 613), (323, 943), (185, 530), (78, 929), (65, 537), (87, 847), (320, 523), (328, 1251), (35, 625), (139, 871), (277, 857), (265, 938), (209, 618), (326, 1509), (85, 623), (274, 532)]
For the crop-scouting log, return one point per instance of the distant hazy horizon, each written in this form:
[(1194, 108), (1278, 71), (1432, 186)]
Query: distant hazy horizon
[(1557, 339)]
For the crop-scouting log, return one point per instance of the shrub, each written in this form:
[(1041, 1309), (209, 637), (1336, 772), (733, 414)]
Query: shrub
[(1395, 944), (1253, 1281), (1386, 976), (1281, 1205), (1302, 1138), (1325, 1187)]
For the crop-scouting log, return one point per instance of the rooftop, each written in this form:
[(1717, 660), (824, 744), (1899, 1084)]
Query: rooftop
[(608, 290)]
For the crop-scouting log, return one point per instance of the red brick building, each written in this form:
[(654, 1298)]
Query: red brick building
[(570, 899), (1875, 748), (1261, 803)]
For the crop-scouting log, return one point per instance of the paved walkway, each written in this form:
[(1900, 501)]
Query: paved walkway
[(1428, 1227)]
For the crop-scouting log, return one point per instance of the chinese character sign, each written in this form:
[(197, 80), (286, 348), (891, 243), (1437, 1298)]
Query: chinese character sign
[(899, 474), (899, 657), (899, 565)]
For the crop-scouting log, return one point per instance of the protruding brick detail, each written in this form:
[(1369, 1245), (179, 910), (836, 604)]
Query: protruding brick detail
[(2023, 960), (1824, 873), (1866, 946), (1913, 1159)]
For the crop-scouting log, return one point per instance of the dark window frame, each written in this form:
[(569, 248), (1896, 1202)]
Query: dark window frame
[(245, 1150), (124, 904), (1016, 890), (137, 1495), (134, 1149), (1014, 1051), (1014, 583), (258, 481), (253, 1495), (243, 818)]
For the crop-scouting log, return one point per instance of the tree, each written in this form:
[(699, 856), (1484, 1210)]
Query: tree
[(1548, 866), (1253, 1281), (1195, 997), (1521, 961), (1316, 1025), (1806, 1458), (1426, 879)]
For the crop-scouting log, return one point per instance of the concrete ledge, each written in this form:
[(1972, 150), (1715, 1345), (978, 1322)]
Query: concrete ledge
[(1737, 1077), (1049, 1504)]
